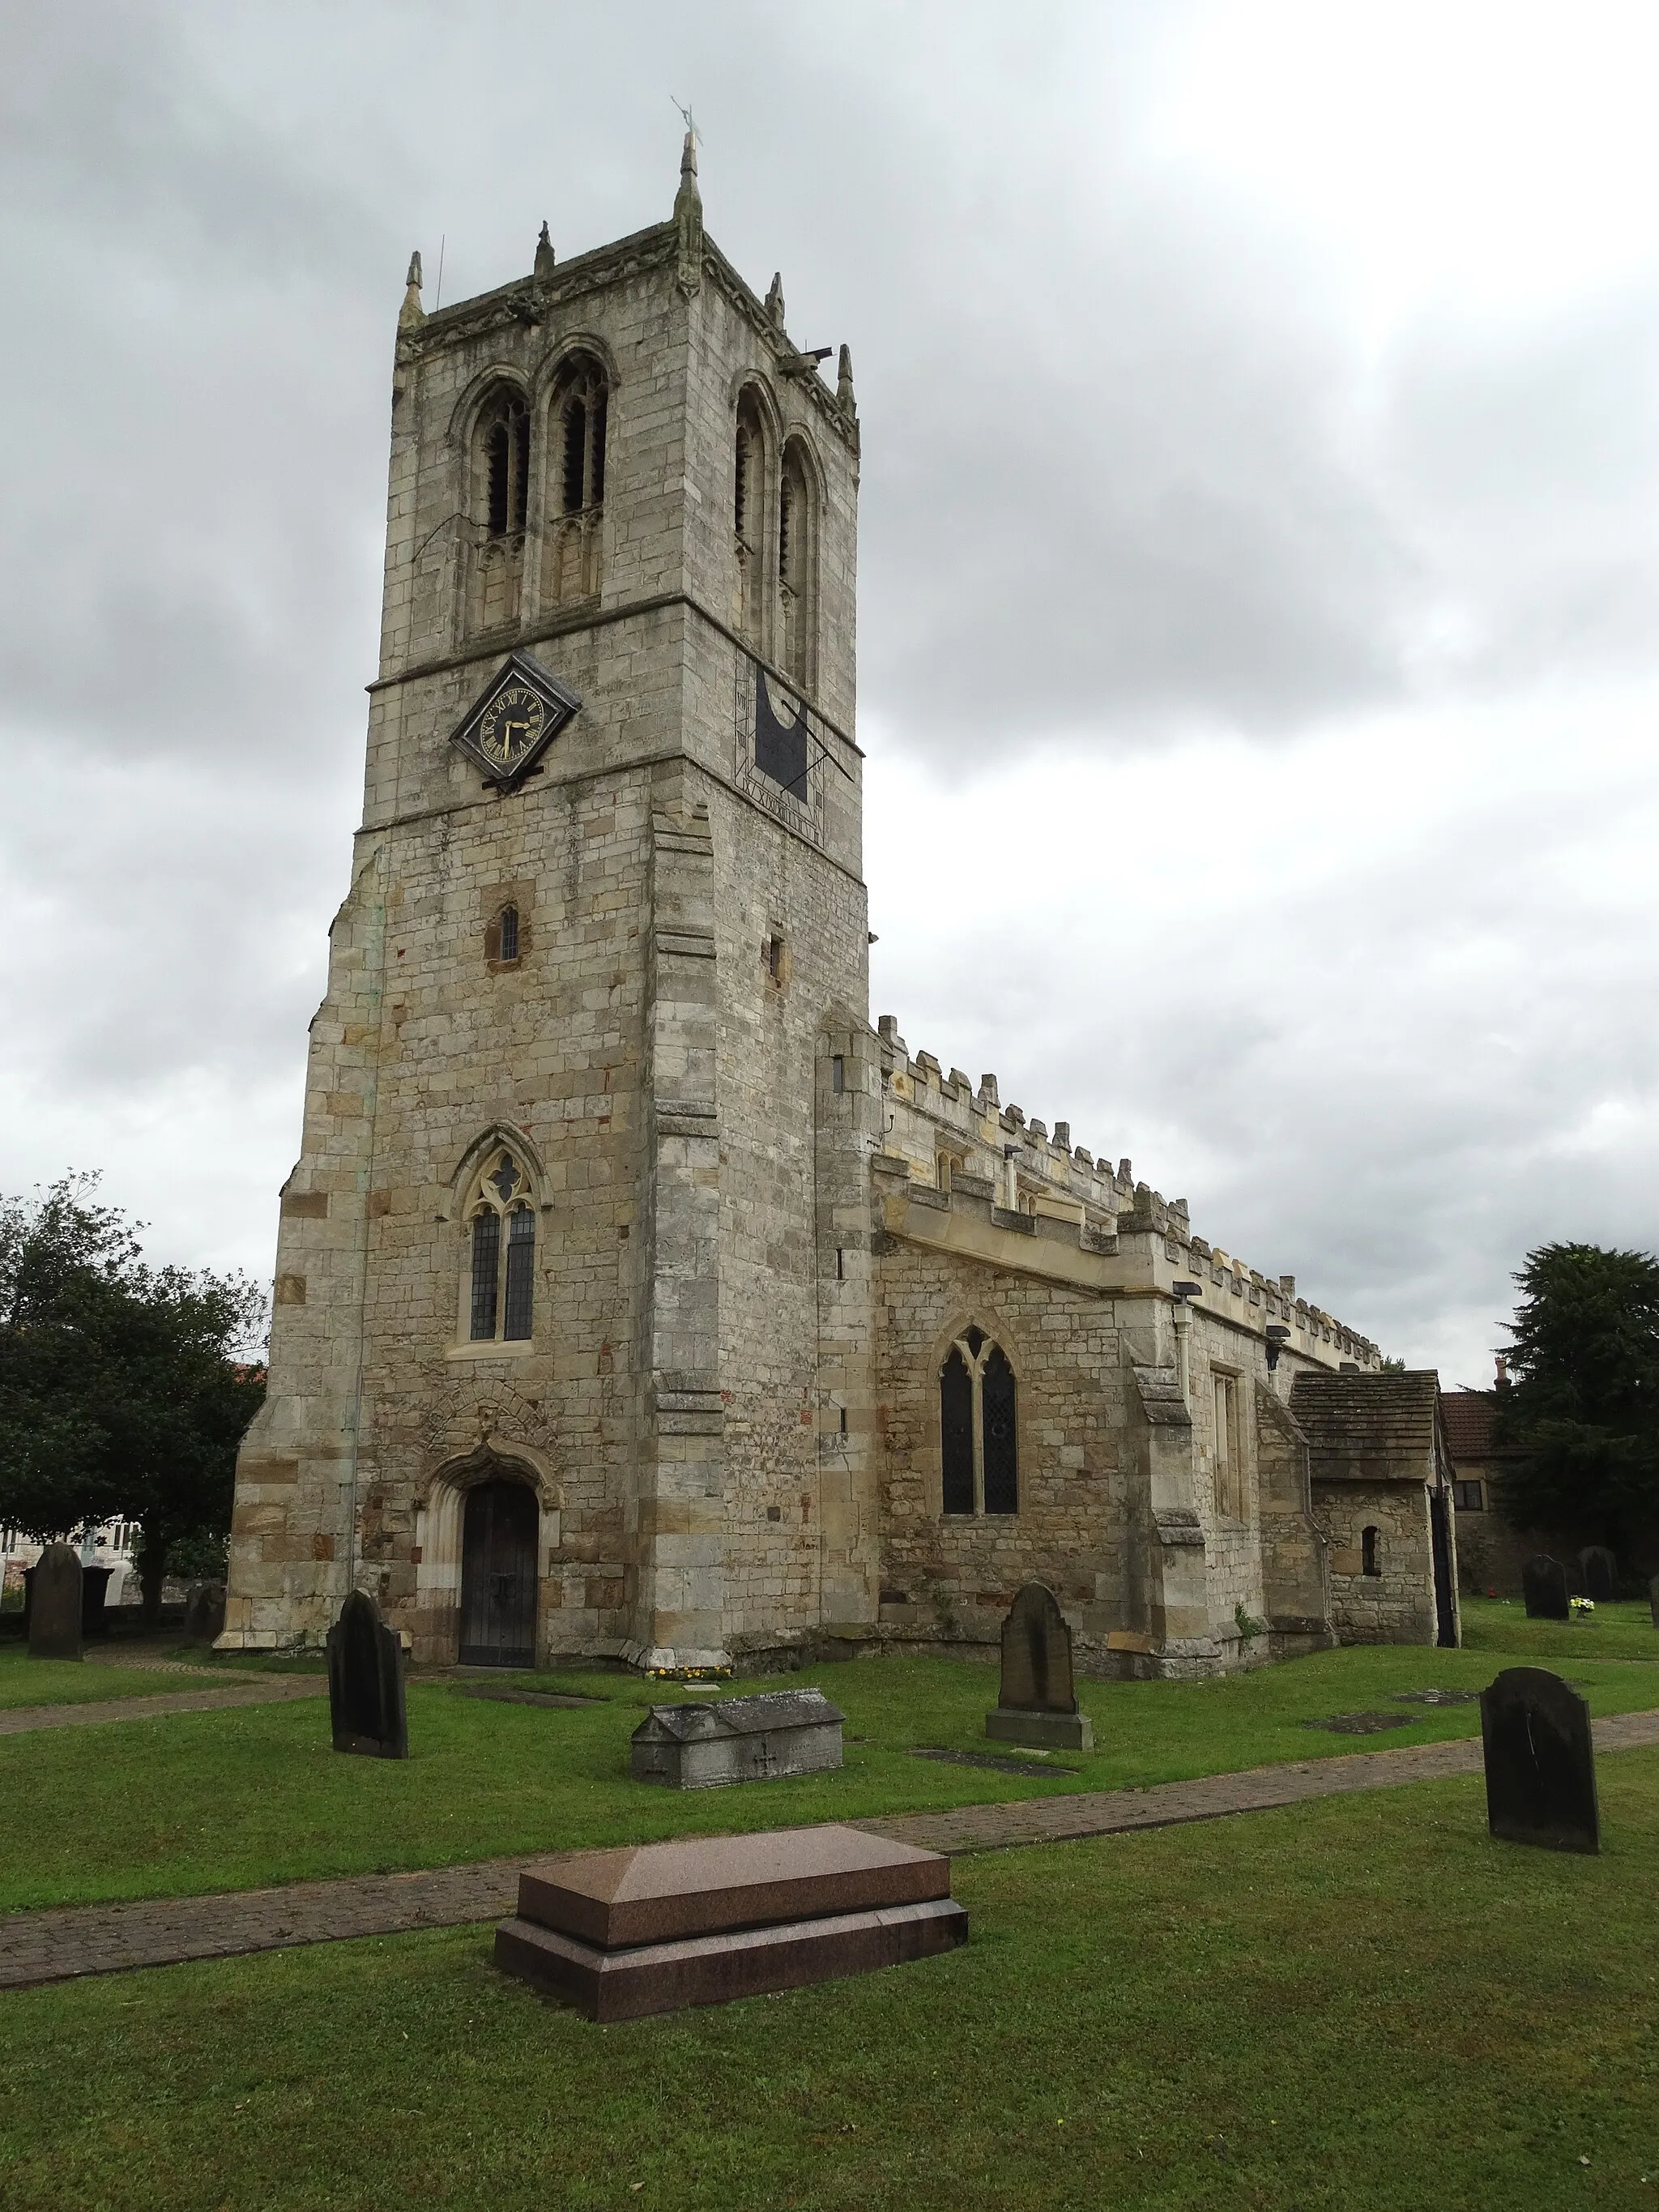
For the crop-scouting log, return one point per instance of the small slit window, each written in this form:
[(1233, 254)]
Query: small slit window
[(1368, 1564), (978, 1443)]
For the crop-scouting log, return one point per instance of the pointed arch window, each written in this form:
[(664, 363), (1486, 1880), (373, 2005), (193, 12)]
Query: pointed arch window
[(506, 465), (749, 531), (798, 562), (502, 1253), (578, 427), (501, 507), (979, 1427)]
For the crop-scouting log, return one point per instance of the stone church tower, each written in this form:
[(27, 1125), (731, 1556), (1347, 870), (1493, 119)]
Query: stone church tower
[(635, 1298), (570, 1279)]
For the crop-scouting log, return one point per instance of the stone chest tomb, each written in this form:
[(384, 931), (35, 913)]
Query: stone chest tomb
[(755, 1739)]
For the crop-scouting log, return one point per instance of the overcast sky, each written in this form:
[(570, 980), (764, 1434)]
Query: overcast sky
[(1259, 561)]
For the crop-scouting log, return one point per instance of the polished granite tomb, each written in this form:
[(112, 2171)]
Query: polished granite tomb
[(655, 1927)]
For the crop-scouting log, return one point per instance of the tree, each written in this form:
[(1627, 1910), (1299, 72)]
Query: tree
[(124, 1389), (1584, 1404)]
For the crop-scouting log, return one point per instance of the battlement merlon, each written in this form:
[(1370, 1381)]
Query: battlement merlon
[(951, 1150)]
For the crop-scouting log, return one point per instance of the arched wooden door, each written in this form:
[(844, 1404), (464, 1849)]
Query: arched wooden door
[(498, 1575)]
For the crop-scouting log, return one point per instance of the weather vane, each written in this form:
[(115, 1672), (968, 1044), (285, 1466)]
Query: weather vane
[(685, 112)]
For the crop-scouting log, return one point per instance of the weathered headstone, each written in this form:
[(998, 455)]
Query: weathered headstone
[(1036, 1701), (1598, 1567), (365, 1702), (1544, 1585), (1653, 1600), (755, 1739), (1541, 1762), (55, 1604), (204, 1612)]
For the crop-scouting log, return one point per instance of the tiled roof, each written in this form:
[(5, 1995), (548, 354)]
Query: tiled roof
[(1469, 1415), (1369, 1428)]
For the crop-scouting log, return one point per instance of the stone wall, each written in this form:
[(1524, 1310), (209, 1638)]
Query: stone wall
[(1396, 1604)]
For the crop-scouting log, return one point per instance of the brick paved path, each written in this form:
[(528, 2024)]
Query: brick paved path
[(68, 1940), (250, 1690)]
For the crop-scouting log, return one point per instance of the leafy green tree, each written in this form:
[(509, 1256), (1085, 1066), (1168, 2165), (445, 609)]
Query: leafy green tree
[(1583, 1407), (124, 1389)]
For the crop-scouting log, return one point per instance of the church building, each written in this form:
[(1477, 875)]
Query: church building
[(636, 1298)]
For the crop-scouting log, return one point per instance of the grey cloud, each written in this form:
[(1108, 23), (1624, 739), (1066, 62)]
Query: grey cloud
[(1129, 470)]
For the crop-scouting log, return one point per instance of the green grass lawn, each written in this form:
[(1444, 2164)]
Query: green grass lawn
[(1356, 2005), (203, 1801), (1623, 1631), (25, 1681)]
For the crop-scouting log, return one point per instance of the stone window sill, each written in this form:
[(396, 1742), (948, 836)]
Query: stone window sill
[(493, 1348)]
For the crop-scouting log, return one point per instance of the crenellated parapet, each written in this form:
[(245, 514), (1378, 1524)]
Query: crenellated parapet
[(950, 1144)]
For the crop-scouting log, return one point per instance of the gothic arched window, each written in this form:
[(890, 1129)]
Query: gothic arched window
[(577, 428), (798, 562), (502, 1253), (500, 507), (979, 1440), (505, 425), (749, 531)]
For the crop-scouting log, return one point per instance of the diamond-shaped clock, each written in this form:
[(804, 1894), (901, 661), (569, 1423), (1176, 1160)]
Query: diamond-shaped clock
[(509, 728)]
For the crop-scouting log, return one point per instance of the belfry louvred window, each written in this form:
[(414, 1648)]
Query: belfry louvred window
[(502, 1254), (506, 459), (577, 430), (979, 1440)]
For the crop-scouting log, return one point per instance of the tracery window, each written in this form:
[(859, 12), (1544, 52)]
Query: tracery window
[(577, 430), (979, 1442), (502, 1254)]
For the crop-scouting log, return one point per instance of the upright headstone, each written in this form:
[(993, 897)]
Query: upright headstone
[(1541, 1762), (365, 1702), (1598, 1568), (55, 1604), (1037, 1703), (204, 1612), (1653, 1600), (94, 1588), (1544, 1585)]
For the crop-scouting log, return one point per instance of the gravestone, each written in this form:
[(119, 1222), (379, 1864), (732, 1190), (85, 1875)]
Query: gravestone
[(94, 1588), (366, 1701), (1541, 1762), (1598, 1568), (1036, 1701), (755, 1739), (55, 1604), (1653, 1600), (1544, 1585), (204, 1612)]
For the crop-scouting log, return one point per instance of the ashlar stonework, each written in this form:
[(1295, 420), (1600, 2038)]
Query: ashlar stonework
[(786, 1340)]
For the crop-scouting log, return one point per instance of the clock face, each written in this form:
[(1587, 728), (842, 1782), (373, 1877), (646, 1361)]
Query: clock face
[(509, 728), (510, 725)]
